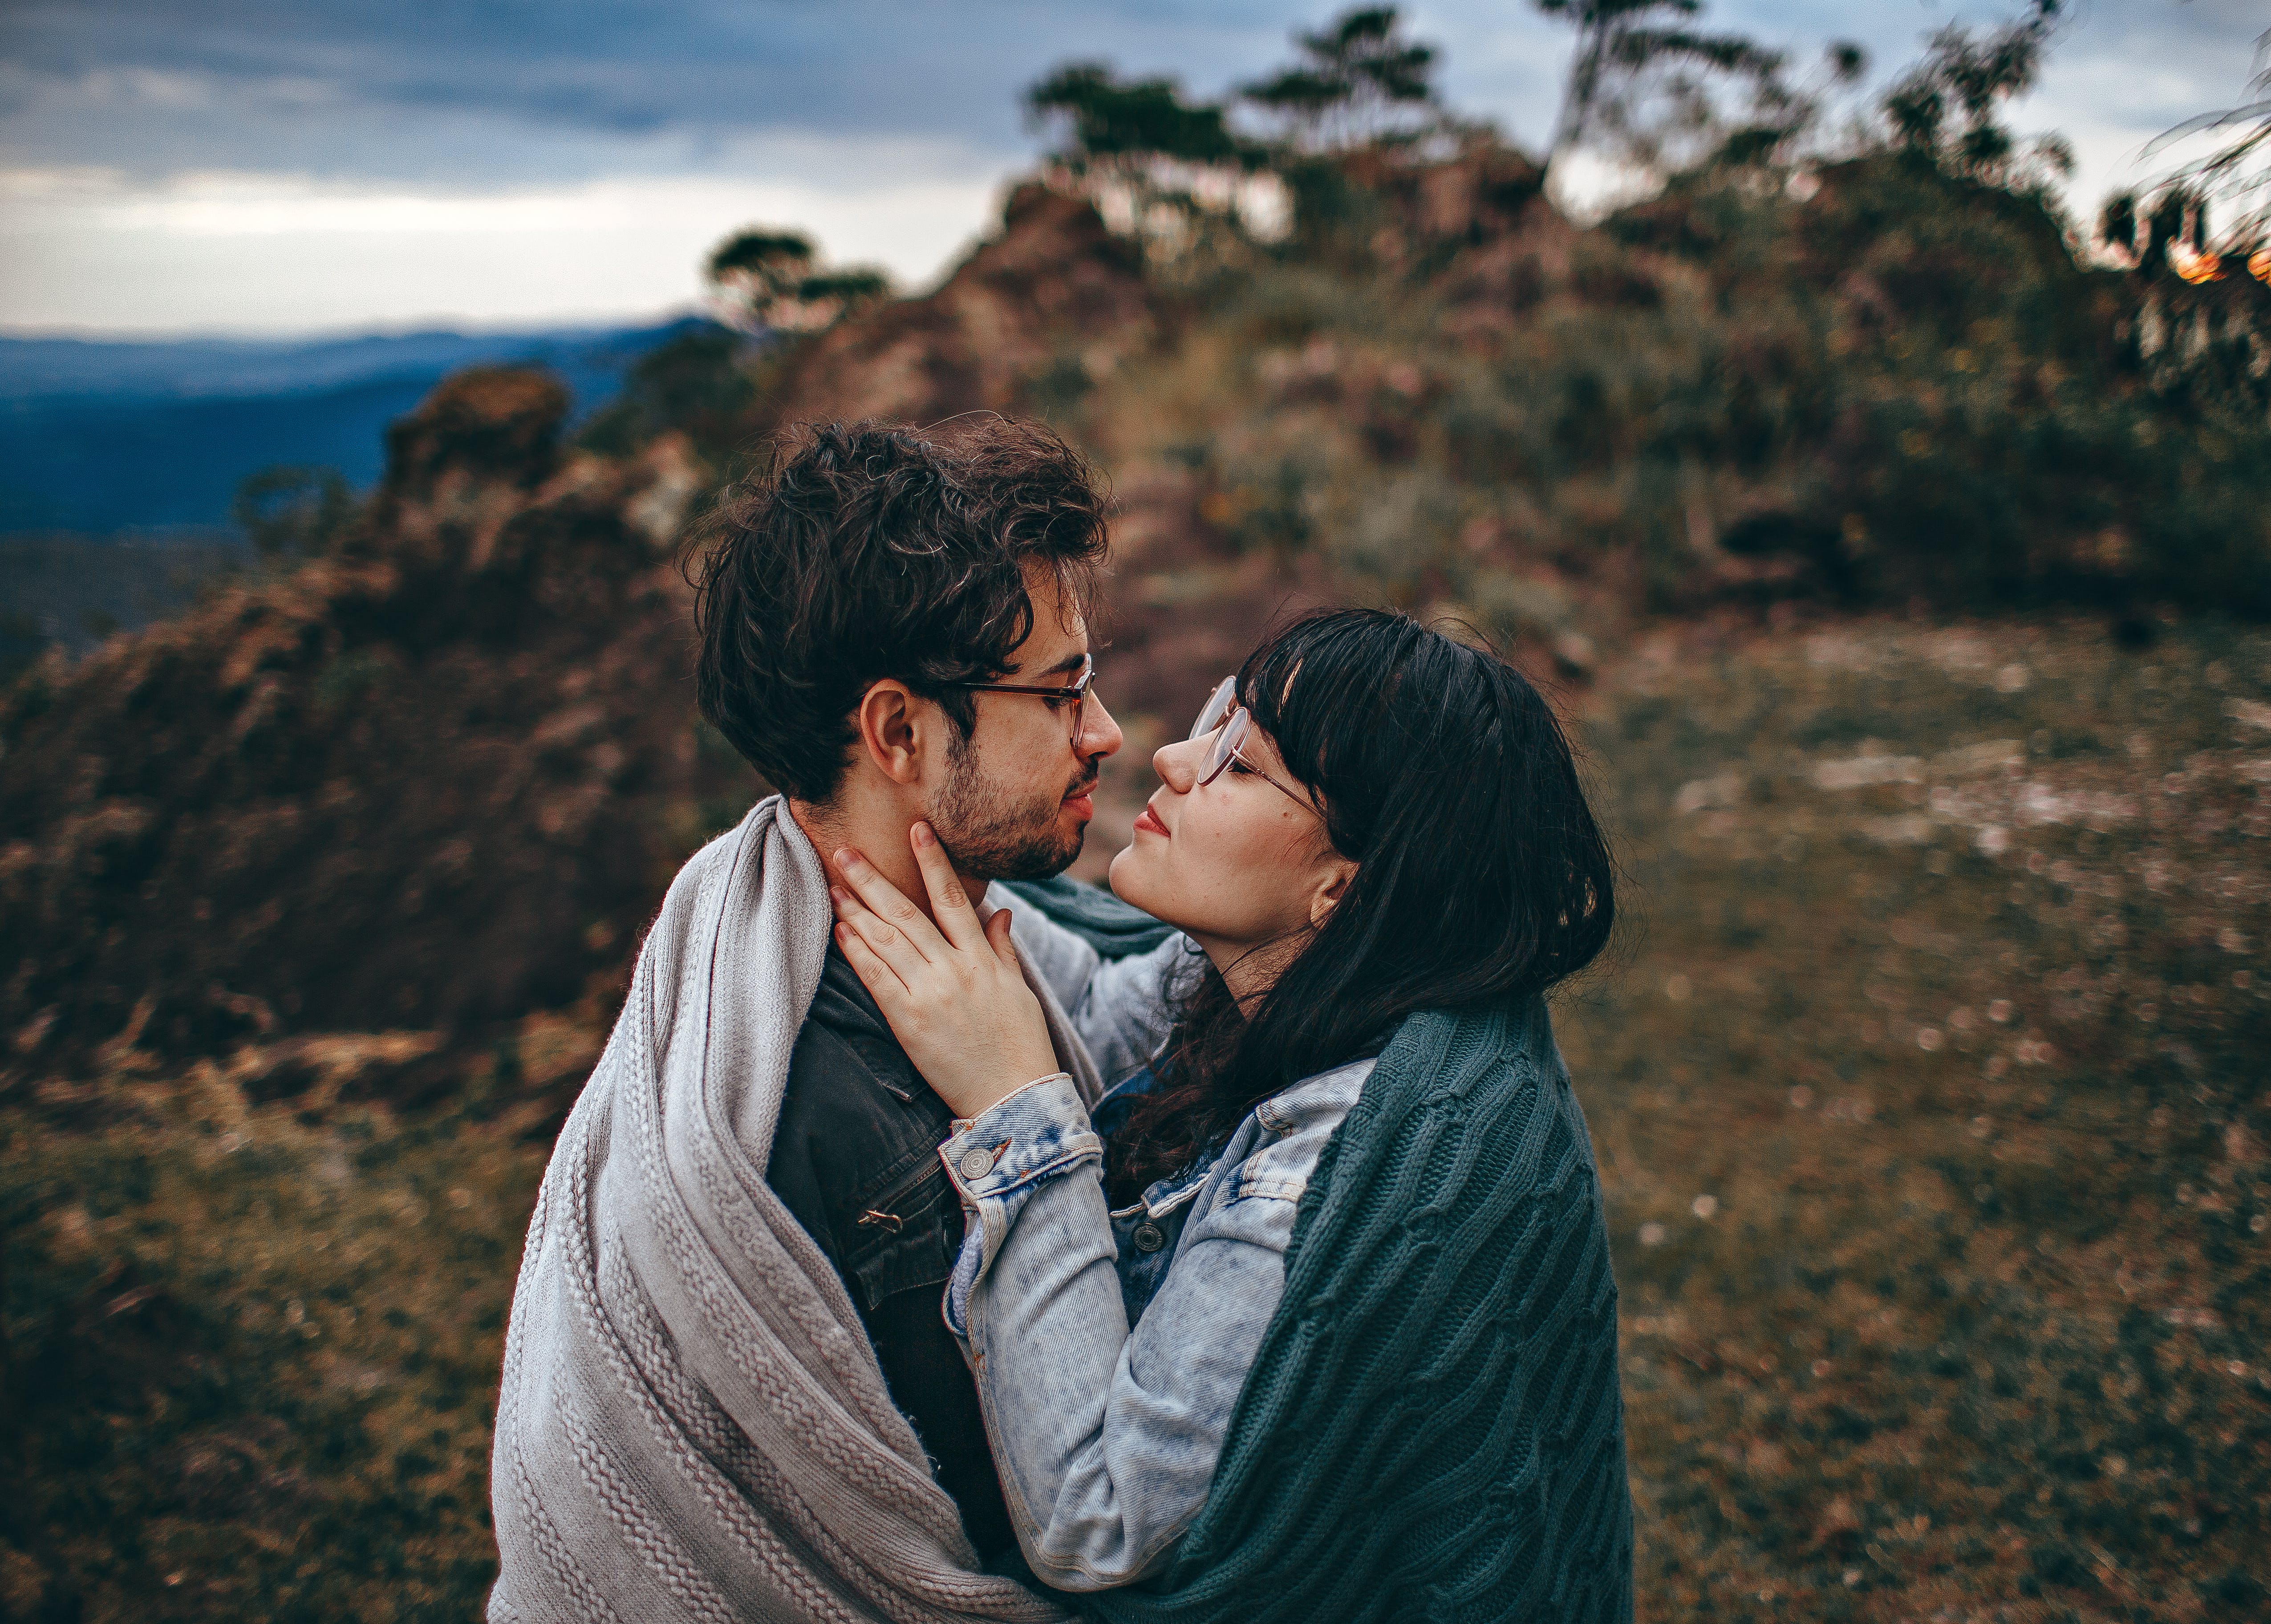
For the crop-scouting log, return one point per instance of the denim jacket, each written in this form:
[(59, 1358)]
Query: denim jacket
[(1107, 1387)]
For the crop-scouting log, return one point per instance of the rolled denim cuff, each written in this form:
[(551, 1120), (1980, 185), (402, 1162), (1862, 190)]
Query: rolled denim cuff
[(999, 1159)]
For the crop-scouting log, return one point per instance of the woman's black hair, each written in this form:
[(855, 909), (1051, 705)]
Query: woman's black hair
[(1481, 875)]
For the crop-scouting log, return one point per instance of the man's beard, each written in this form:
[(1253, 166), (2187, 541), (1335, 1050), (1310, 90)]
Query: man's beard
[(988, 834)]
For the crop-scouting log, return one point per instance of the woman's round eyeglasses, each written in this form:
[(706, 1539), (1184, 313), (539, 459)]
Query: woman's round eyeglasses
[(1073, 696), (1231, 723)]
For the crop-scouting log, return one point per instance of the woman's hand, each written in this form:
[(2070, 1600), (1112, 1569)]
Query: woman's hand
[(952, 991)]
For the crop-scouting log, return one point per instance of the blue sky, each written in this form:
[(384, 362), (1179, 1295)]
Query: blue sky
[(255, 166)]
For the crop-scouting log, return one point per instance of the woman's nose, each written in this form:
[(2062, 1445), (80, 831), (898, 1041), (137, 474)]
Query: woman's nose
[(1178, 763)]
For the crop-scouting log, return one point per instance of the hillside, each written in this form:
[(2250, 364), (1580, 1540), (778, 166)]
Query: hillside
[(425, 780)]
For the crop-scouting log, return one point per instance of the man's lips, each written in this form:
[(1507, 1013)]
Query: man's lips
[(1148, 820), (1082, 802)]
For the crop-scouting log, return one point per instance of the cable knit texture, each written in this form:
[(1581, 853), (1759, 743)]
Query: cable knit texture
[(692, 1425), (1432, 1428)]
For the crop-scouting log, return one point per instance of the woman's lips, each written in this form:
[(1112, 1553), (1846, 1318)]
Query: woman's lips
[(1148, 820)]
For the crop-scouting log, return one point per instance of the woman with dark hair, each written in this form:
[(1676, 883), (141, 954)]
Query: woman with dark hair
[(1341, 1341)]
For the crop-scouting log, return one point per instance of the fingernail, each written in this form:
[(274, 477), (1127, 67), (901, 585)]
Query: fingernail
[(923, 836), (845, 857), (837, 893)]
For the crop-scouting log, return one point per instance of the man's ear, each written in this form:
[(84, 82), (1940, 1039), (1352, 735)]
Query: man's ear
[(896, 729), (1331, 887)]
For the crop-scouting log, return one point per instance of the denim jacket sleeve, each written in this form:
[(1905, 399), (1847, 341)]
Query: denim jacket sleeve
[(1106, 1441)]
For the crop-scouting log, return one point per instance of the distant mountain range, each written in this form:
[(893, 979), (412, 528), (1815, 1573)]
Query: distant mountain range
[(99, 437)]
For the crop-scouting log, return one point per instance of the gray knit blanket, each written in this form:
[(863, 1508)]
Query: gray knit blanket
[(692, 1424)]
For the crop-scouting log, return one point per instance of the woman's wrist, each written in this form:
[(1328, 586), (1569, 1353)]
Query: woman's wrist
[(964, 1124)]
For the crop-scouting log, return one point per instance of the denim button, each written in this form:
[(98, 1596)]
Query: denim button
[(976, 1162), (1148, 1237)]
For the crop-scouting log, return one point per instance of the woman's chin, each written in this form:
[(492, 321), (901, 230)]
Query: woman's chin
[(1133, 879)]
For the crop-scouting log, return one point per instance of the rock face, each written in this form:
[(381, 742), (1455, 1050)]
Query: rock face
[(1056, 287), (421, 783)]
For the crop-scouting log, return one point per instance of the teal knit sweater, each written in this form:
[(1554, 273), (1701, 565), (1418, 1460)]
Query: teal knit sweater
[(1432, 1428)]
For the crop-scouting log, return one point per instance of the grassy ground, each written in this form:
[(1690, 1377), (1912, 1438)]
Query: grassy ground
[(1928, 1087), (1933, 1111)]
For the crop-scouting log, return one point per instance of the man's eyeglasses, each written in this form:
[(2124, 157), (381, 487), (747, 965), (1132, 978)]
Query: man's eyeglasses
[(1232, 723), (1074, 697)]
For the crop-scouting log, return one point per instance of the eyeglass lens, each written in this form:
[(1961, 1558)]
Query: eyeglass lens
[(1078, 708), (1216, 707), (1226, 744)]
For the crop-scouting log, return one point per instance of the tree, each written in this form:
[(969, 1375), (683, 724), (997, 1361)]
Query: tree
[(1123, 124), (1631, 52), (754, 270), (1944, 109), (1154, 164), (1358, 80), (762, 277)]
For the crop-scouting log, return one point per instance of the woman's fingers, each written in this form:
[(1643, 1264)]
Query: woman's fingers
[(949, 902), (879, 935), (875, 973), (888, 903), (997, 937)]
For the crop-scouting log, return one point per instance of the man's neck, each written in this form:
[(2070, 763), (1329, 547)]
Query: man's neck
[(878, 834)]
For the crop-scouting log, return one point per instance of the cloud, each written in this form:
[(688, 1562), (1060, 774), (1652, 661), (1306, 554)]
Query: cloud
[(521, 90), (222, 165), (216, 76), (249, 254)]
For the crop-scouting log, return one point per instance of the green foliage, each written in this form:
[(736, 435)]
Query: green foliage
[(777, 258), (767, 278), (289, 511), (1357, 80), (1117, 123), (1945, 109), (848, 289), (1632, 52)]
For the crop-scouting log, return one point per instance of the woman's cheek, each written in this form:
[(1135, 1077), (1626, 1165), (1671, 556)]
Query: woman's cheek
[(1239, 867)]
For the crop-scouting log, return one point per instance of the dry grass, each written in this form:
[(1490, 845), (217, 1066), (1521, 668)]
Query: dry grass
[(1931, 1109), (1928, 1089)]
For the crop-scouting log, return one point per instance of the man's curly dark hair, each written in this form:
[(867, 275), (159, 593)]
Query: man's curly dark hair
[(871, 550)]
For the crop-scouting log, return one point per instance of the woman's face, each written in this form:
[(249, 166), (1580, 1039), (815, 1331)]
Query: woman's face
[(1235, 863)]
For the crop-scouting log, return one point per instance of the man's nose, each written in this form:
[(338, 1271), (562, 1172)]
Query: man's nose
[(1099, 735)]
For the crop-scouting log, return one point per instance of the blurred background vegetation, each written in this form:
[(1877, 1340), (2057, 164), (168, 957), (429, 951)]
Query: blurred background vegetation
[(1898, 547)]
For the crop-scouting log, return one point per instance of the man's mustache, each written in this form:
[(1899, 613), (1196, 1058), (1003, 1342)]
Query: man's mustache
[(1086, 782)]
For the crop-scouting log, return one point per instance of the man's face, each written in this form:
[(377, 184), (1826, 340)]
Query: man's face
[(1014, 804)]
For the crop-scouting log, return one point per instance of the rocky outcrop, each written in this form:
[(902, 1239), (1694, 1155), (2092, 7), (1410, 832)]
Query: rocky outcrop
[(1055, 288), (430, 781)]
